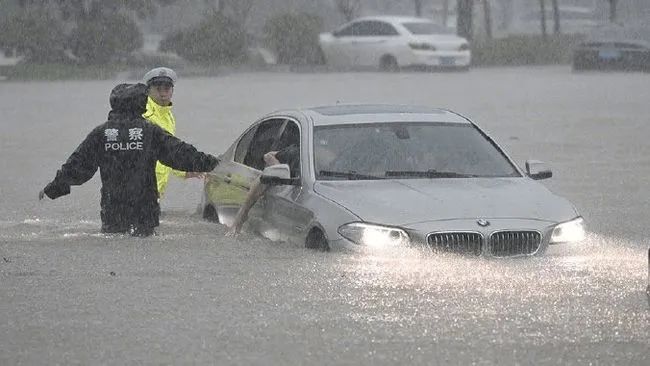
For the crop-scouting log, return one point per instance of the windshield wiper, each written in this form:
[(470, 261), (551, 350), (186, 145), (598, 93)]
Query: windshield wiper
[(426, 174), (350, 175)]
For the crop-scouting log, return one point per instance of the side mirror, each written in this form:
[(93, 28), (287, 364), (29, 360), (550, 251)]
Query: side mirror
[(537, 170), (277, 175)]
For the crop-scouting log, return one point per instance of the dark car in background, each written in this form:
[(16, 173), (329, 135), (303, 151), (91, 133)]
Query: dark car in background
[(615, 47)]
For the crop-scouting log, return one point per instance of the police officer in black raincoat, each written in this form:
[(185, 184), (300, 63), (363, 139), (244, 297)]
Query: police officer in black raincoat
[(125, 149)]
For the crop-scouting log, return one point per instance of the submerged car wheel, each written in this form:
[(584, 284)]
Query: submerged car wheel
[(210, 213), (316, 240), (388, 63)]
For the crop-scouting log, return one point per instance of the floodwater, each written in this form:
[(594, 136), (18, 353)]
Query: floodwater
[(70, 295)]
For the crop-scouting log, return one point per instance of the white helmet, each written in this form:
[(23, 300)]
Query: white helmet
[(160, 74)]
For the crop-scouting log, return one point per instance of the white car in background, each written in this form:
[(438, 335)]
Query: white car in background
[(392, 42)]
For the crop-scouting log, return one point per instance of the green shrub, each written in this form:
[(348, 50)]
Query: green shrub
[(37, 36), (105, 40), (294, 38), (215, 40), (525, 50), (59, 71)]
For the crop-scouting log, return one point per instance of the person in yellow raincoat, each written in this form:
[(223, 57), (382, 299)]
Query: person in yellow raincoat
[(160, 82)]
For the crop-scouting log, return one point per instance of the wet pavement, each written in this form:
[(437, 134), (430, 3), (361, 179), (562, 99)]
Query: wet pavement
[(69, 295)]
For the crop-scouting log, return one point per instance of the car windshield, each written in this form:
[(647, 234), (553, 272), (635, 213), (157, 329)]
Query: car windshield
[(405, 150), (427, 28)]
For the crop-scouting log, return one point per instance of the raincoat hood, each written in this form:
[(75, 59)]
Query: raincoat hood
[(129, 99)]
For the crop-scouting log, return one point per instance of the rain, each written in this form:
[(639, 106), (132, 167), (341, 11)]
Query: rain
[(70, 294)]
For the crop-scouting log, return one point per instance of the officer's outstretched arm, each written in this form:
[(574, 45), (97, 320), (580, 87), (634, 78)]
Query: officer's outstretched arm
[(180, 155), (77, 170)]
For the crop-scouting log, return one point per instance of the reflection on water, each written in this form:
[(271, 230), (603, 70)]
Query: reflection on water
[(573, 293)]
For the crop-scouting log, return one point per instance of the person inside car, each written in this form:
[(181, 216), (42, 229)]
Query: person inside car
[(289, 155)]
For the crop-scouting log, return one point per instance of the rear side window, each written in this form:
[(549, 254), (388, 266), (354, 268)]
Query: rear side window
[(351, 30), (244, 143), (380, 29), (368, 28)]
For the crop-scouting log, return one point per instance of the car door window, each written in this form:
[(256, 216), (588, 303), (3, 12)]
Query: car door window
[(262, 141), (288, 147)]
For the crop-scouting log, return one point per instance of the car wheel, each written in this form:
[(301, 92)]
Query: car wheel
[(388, 63), (316, 240), (210, 213)]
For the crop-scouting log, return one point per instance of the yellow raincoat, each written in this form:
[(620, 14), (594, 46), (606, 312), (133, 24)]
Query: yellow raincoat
[(163, 117)]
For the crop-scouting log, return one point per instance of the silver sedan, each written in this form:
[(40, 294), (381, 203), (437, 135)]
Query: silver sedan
[(371, 176)]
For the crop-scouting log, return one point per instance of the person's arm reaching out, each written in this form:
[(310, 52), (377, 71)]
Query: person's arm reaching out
[(77, 170)]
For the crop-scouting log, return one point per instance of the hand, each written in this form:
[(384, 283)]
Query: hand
[(233, 231), (41, 194), (194, 175), (270, 159)]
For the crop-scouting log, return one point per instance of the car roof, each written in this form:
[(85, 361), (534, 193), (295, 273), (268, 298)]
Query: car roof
[(376, 113), (394, 18)]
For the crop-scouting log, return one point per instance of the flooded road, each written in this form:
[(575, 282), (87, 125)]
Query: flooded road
[(190, 295)]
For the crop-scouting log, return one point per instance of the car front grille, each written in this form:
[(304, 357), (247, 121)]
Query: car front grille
[(499, 244), (456, 242), (507, 243)]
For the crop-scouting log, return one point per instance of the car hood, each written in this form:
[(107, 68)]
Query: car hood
[(409, 201)]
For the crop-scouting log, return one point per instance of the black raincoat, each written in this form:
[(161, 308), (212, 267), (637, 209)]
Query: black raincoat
[(125, 149)]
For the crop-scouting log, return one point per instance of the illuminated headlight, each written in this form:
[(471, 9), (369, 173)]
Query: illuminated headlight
[(570, 231), (373, 235)]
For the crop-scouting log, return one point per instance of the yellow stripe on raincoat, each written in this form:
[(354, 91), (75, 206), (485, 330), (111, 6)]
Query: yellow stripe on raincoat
[(163, 117)]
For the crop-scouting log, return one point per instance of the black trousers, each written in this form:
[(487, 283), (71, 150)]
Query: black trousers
[(133, 230)]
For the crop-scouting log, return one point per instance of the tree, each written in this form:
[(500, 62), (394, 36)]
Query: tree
[(236, 9), (294, 38), (77, 10), (612, 10), (34, 34), (487, 16), (350, 9), (217, 39), (445, 12), (556, 16), (542, 5), (102, 30), (465, 11), (418, 7)]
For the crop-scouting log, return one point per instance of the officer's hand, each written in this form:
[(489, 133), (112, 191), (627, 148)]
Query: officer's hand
[(41, 194)]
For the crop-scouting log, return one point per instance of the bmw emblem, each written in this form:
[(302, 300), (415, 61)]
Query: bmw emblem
[(482, 222)]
